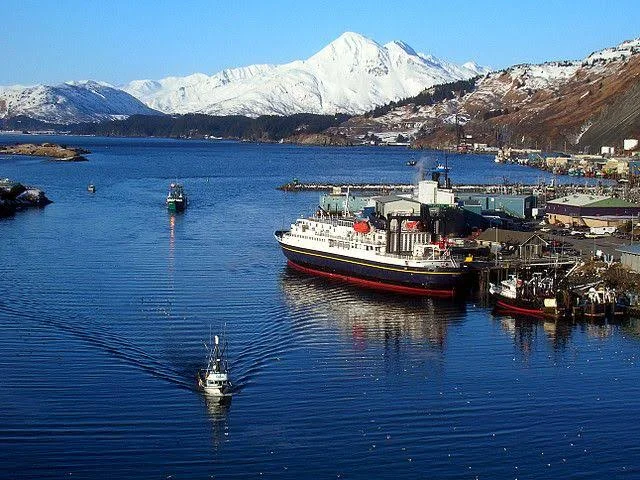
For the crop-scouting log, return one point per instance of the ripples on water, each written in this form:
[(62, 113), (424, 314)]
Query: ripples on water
[(106, 300)]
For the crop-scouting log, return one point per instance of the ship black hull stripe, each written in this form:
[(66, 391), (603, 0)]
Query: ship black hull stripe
[(335, 264)]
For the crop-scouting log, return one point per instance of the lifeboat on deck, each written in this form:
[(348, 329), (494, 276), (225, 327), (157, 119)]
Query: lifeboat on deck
[(362, 226)]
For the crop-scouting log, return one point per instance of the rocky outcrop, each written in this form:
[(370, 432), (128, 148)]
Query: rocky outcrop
[(16, 196), (51, 150)]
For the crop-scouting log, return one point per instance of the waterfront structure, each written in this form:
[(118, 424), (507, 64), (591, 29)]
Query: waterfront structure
[(529, 245), (334, 203), (630, 257), (430, 193), (393, 204), (590, 210), (519, 206)]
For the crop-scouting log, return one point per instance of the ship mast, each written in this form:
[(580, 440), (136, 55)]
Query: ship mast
[(346, 203)]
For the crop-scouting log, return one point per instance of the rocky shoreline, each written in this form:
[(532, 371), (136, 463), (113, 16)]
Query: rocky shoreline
[(51, 150), (15, 196)]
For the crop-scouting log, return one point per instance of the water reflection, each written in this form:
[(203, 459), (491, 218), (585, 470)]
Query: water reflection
[(172, 241), (632, 327), (524, 330), (219, 415), (365, 315)]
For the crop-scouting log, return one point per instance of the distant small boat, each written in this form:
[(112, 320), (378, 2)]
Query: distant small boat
[(441, 168), (411, 163), (214, 379), (91, 188), (176, 199)]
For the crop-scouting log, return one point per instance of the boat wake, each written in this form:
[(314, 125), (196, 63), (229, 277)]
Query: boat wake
[(108, 342)]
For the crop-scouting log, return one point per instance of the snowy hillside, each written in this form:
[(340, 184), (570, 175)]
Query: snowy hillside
[(85, 101), (587, 102), (352, 74)]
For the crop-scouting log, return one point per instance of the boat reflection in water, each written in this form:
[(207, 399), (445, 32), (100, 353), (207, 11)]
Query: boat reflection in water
[(367, 315), (526, 329), (219, 416)]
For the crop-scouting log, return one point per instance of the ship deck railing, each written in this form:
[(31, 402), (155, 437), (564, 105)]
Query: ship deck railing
[(334, 221), (340, 238)]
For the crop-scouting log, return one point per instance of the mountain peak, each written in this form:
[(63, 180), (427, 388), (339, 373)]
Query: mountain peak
[(347, 45), (353, 37)]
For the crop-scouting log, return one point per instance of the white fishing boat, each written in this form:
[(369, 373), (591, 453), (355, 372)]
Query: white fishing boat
[(214, 379)]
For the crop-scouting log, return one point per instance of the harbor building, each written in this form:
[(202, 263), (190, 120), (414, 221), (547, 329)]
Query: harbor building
[(519, 206), (630, 257), (393, 204), (529, 245), (590, 211), (429, 193), (334, 203)]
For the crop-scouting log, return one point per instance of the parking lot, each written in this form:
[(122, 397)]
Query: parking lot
[(586, 246)]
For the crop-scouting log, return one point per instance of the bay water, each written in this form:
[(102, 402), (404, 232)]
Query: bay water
[(106, 300)]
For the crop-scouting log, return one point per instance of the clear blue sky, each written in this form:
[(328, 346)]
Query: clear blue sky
[(122, 40)]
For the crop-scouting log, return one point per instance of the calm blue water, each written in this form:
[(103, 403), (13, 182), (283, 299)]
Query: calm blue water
[(106, 300)]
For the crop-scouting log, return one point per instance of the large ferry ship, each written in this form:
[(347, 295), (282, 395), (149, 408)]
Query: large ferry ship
[(401, 259)]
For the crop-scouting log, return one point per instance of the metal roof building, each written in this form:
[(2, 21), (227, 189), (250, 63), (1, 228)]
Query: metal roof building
[(585, 209), (519, 206), (388, 204)]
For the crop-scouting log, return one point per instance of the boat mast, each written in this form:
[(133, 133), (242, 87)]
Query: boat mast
[(346, 203), (216, 353)]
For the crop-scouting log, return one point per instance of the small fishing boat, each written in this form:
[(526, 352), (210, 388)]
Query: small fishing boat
[(176, 199), (441, 168), (537, 296), (214, 379), (91, 188), (411, 163), (601, 303)]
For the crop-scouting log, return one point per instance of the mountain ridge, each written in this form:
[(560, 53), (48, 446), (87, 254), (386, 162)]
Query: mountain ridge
[(77, 101), (350, 75)]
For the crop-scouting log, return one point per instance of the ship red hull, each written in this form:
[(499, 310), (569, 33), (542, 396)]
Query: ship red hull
[(372, 284), (522, 310)]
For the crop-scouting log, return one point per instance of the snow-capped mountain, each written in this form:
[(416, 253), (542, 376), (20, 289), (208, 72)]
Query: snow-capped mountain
[(85, 101), (352, 74)]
